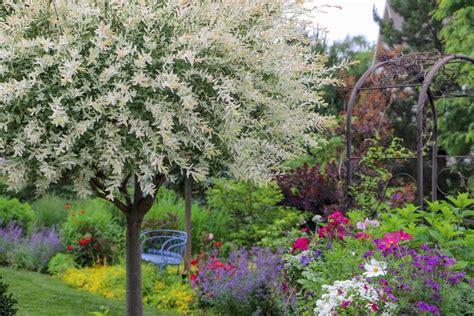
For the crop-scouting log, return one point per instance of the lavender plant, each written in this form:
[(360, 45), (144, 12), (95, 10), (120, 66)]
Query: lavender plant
[(247, 283), (32, 251)]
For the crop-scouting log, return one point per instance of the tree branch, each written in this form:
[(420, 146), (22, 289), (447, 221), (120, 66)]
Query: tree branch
[(144, 203), (99, 190)]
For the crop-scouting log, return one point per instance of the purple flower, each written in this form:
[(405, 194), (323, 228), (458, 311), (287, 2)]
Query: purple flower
[(367, 254), (425, 307), (432, 284), (392, 297), (456, 277), (405, 287), (425, 247), (304, 261), (387, 289), (30, 252), (255, 277)]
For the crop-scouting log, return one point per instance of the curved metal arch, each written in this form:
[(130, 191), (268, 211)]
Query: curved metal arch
[(425, 94), (353, 98), (354, 94)]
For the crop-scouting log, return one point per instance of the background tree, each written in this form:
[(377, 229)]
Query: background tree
[(108, 92), (457, 130), (419, 31)]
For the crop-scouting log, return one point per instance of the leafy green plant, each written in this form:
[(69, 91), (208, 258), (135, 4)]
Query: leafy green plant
[(446, 223), (7, 301), (60, 263), (373, 175), (256, 217), (12, 210)]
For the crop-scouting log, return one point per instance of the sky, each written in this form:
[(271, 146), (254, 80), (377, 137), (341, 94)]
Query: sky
[(354, 17)]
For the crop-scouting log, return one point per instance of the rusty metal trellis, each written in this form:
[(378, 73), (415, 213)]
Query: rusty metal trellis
[(413, 70)]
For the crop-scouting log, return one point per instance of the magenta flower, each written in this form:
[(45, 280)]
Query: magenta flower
[(301, 244), (345, 303), (362, 236)]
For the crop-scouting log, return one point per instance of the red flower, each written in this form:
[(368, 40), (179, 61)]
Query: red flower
[(300, 244), (67, 206), (70, 248), (84, 241), (193, 276), (217, 244), (194, 262), (362, 236)]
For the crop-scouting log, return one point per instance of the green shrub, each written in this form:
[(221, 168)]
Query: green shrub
[(60, 263), (92, 236), (52, 209), (13, 210), (7, 301), (256, 216)]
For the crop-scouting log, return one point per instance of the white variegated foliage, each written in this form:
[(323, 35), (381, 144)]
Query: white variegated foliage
[(116, 87)]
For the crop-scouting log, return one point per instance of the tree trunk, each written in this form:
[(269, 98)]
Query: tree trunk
[(187, 221), (133, 264)]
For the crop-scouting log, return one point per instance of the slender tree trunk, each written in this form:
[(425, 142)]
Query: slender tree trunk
[(133, 264), (187, 220), (135, 210)]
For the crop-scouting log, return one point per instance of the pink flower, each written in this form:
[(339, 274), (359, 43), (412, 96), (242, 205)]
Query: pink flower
[(300, 244), (366, 223), (404, 236), (391, 240), (322, 232)]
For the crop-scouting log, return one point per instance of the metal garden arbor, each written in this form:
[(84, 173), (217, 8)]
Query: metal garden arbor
[(438, 78)]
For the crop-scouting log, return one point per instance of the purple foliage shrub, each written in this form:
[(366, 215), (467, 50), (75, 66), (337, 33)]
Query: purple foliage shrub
[(307, 189)]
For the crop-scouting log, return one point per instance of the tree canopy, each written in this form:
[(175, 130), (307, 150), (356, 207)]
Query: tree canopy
[(104, 90)]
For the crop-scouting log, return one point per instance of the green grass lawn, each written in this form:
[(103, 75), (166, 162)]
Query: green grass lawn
[(41, 295)]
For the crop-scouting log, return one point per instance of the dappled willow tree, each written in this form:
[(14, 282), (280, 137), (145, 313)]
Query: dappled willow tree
[(108, 92)]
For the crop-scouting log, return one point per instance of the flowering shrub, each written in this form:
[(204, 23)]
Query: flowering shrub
[(247, 282), (165, 291), (352, 297), (334, 273), (92, 237), (31, 251), (336, 226)]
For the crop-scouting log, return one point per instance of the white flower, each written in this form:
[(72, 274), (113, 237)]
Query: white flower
[(375, 268)]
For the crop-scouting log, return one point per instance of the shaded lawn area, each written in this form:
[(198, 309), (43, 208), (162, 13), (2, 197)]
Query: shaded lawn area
[(43, 295)]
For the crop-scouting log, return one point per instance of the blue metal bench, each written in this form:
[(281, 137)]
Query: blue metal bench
[(163, 247)]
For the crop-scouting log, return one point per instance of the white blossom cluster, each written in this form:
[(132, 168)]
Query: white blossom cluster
[(354, 291), (107, 88)]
